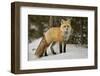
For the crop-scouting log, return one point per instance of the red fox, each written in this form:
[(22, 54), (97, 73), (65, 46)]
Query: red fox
[(55, 34)]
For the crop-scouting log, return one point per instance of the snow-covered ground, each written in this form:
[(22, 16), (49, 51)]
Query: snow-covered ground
[(73, 52)]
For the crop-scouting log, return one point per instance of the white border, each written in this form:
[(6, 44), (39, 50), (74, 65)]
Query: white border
[(25, 64)]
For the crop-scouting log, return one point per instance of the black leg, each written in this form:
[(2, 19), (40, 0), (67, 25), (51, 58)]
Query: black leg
[(60, 47), (45, 54), (64, 47), (52, 48)]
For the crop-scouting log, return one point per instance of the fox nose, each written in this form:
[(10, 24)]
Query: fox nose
[(66, 29)]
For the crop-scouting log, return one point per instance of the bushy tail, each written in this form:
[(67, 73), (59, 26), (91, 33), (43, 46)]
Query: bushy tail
[(41, 48)]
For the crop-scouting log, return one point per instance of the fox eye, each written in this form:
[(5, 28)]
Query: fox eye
[(64, 26)]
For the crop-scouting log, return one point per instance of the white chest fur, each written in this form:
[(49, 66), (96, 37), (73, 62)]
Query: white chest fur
[(67, 35)]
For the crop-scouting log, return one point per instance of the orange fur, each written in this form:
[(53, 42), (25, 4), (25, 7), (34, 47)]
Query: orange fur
[(57, 34), (54, 34)]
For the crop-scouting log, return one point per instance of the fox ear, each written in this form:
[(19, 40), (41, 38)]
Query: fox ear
[(62, 21), (69, 20)]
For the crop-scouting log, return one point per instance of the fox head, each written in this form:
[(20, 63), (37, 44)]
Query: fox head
[(66, 26)]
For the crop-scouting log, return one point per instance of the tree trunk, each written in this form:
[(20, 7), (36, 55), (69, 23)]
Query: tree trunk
[(51, 21)]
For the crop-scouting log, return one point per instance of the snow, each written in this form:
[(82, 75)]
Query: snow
[(73, 51)]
